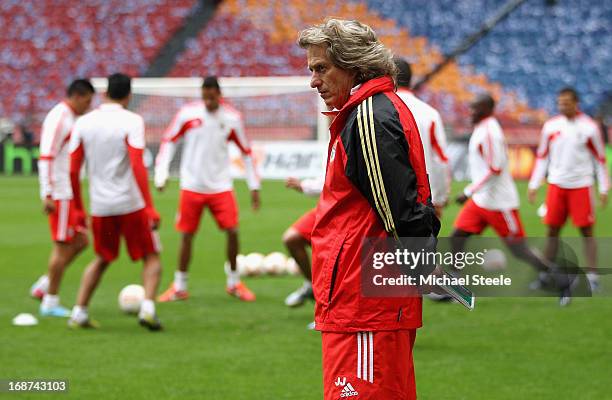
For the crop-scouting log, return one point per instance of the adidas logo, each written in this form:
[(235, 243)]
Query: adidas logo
[(347, 388), (348, 391)]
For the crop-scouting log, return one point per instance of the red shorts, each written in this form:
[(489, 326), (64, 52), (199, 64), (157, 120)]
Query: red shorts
[(368, 365), (135, 227), (576, 202), (64, 222), (305, 224), (474, 219), (191, 205)]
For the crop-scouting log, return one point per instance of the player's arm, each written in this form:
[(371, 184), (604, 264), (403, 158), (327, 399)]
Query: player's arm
[(440, 173), (50, 140), (491, 150), (135, 142), (597, 148), (77, 156), (177, 128), (238, 136), (540, 167), (379, 166)]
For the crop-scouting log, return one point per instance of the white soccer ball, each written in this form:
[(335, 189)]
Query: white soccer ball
[(291, 267), (494, 260), (130, 298), (274, 263), (253, 263), (241, 265)]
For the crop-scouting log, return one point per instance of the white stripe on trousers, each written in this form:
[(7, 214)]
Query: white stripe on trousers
[(62, 223), (365, 356)]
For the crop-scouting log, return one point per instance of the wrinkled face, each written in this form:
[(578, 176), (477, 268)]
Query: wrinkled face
[(211, 97), (567, 105), (333, 84), (81, 103)]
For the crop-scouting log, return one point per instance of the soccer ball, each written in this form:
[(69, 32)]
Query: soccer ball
[(130, 298), (494, 260), (274, 263), (291, 267), (240, 264), (253, 263)]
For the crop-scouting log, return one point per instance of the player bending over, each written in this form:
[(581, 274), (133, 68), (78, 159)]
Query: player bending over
[(111, 141), (67, 225), (492, 198), (570, 153), (206, 126), (297, 237)]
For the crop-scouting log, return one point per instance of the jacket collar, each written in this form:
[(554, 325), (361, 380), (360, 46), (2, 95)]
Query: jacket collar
[(359, 94)]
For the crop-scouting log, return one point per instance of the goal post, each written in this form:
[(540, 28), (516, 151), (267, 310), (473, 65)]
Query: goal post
[(282, 118)]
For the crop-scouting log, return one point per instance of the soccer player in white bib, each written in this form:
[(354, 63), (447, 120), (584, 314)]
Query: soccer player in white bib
[(206, 127), (68, 230), (431, 130), (111, 141), (491, 199), (570, 154)]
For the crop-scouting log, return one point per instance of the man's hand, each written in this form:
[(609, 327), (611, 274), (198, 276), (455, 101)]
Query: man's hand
[(255, 201), (295, 184), (81, 218), (462, 198), (160, 179), (603, 199), (532, 195), (154, 218), (48, 205)]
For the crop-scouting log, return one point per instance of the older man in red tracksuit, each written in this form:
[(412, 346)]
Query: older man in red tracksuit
[(376, 186)]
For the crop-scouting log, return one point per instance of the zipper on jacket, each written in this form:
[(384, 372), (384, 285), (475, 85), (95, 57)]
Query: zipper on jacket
[(333, 279), (399, 315)]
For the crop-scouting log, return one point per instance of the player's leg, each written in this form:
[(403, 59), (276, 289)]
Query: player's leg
[(191, 206), (581, 205), (224, 208), (143, 243), (297, 238), (151, 275), (368, 365), (62, 255), (106, 235), (68, 241), (92, 275), (590, 253), (555, 217)]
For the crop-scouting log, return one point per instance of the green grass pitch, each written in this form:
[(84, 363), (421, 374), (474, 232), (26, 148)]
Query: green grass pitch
[(215, 347)]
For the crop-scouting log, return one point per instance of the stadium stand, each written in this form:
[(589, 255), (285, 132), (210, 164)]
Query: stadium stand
[(538, 49), (523, 61), (45, 44)]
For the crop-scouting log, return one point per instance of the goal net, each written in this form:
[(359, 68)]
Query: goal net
[(281, 115)]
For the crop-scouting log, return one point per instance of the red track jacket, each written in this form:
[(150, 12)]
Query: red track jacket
[(373, 132)]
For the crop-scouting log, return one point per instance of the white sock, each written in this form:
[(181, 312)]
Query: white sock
[(233, 278), (42, 283), (50, 301), (592, 276), (180, 281), (147, 308), (307, 285), (79, 314)]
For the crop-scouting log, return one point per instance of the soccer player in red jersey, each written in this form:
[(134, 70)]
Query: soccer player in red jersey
[(68, 230)]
